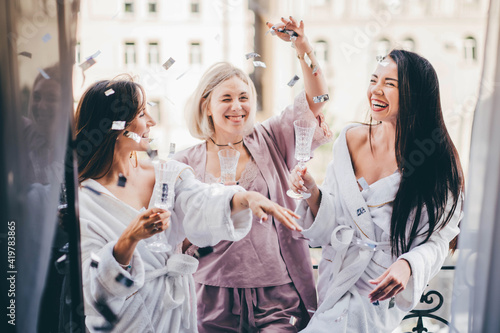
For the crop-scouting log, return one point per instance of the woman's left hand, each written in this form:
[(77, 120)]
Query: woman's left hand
[(262, 207), (392, 282), (301, 43)]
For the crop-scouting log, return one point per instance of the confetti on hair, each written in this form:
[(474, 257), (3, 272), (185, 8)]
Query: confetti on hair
[(118, 125), (109, 92)]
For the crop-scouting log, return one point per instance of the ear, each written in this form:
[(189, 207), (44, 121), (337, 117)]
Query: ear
[(205, 104)]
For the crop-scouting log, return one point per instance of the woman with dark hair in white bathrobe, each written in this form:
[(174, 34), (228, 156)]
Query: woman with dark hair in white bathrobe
[(390, 204), (114, 218)]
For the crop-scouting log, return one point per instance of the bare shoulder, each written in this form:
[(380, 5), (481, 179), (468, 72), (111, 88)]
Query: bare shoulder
[(356, 137)]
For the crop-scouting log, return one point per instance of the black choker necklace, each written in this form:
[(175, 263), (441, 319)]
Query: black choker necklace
[(229, 144)]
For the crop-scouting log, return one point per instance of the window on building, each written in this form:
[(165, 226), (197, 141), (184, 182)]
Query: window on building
[(195, 6), (382, 47), (130, 53), (195, 53), (128, 6), (470, 49), (321, 50), (153, 53), (408, 44), (152, 7)]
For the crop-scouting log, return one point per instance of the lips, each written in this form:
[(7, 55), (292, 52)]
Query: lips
[(378, 105), (236, 118)]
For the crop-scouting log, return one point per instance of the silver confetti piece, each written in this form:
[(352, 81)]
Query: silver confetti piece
[(252, 55), (315, 70), (26, 54), (293, 38), (321, 98), (44, 74), (109, 92), (134, 136), (379, 58), (118, 125), (294, 80), (171, 151), (151, 103), (122, 180), (259, 64), (94, 260), (308, 60), (183, 74), (46, 37), (168, 63), (124, 280), (273, 33), (87, 64), (95, 55), (293, 320), (384, 63)]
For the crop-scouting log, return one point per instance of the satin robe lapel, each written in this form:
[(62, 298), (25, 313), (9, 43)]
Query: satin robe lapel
[(260, 155), (349, 190)]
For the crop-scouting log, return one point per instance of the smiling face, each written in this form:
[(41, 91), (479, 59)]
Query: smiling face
[(229, 108), (140, 125), (383, 92)]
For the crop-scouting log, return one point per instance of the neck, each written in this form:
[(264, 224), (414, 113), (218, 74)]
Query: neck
[(384, 136), (122, 163), (225, 140)]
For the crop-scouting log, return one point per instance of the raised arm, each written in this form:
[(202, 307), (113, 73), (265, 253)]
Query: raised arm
[(315, 84)]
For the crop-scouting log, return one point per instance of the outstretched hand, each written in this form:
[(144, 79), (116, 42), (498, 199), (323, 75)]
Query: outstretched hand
[(262, 207), (391, 282), (300, 180), (147, 224)]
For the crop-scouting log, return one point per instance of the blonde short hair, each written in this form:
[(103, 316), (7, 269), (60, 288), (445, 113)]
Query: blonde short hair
[(199, 123)]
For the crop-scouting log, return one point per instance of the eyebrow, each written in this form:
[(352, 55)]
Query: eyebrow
[(241, 93), (387, 78)]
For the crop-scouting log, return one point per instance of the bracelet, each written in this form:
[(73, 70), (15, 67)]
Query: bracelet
[(125, 267), (302, 56)]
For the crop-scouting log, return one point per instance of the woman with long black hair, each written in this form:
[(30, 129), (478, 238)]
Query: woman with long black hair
[(390, 204)]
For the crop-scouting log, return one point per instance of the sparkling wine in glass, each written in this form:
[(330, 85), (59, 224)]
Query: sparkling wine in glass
[(304, 132), (166, 175)]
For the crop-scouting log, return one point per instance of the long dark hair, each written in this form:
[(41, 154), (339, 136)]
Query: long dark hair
[(425, 154), (95, 140)]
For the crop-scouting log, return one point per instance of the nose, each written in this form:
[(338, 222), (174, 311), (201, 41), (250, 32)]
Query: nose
[(151, 122), (236, 105), (377, 89)]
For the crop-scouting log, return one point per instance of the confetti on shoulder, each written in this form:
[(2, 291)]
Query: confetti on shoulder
[(294, 80), (321, 98), (252, 55), (118, 125), (168, 63), (109, 92), (259, 64)]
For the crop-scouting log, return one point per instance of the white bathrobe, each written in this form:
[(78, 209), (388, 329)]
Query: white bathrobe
[(353, 228), (162, 297)]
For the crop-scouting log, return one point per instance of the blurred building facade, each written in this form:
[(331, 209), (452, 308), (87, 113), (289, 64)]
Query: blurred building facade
[(138, 36)]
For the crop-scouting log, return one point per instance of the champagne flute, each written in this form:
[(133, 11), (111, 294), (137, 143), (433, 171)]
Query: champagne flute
[(228, 163), (166, 175), (304, 132)]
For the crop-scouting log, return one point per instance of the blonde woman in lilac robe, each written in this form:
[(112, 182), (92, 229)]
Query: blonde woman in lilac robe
[(261, 281)]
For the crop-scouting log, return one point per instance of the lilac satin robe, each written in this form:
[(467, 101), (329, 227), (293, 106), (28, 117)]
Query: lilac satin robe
[(272, 147)]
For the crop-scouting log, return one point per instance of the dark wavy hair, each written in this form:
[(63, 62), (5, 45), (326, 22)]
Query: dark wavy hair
[(425, 154), (95, 140)]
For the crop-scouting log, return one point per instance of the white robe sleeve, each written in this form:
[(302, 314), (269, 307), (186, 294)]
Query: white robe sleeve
[(206, 211), (320, 228), (426, 259), (100, 282)]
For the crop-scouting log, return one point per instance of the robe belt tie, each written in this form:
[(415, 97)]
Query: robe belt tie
[(179, 284)]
